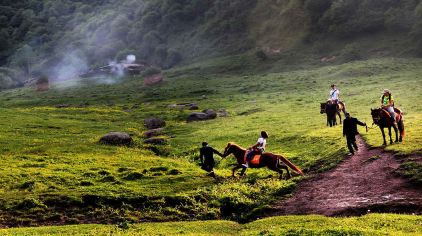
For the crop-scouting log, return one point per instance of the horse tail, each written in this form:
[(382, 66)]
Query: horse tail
[(289, 164), (343, 108), (400, 125)]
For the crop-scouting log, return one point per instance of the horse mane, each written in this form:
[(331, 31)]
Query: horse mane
[(236, 145)]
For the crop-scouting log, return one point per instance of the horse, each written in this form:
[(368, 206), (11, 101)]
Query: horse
[(382, 118), (332, 109), (267, 159)]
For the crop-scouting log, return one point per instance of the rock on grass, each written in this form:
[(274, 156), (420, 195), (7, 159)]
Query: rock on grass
[(117, 138)]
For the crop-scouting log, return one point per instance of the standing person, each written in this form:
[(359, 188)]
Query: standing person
[(350, 130), (257, 148), (387, 103), (206, 154), (334, 94)]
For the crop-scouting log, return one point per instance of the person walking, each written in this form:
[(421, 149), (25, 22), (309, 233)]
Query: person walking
[(350, 130), (206, 155)]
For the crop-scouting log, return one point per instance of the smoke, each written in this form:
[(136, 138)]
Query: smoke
[(69, 67), (117, 69), (130, 59)]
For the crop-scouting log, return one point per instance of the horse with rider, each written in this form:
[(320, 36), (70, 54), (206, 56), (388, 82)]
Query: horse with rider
[(333, 106), (388, 116)]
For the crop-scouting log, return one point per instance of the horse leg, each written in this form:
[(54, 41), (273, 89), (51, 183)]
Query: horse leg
[(339, 116), (235, 168), (274, 168), (389, 134), (396, 132), (287, 170), (383, 135)]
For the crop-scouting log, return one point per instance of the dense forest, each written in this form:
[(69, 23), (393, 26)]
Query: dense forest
[(36, 35)]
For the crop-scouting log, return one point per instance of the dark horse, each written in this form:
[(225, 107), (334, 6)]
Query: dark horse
[(382, 118), (332, 109), (267, 159)]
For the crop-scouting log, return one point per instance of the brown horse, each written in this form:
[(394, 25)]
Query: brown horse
[(382, 118), (267, 159), (332, 109)]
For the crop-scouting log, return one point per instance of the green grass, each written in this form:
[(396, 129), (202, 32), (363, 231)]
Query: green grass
[(373, 224), (51, 156)]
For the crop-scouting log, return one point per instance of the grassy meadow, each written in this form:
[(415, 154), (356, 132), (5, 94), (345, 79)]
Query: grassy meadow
[(373, 224), (54, 170)]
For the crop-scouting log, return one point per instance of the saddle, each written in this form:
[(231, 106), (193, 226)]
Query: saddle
[(255, 159), (398, 112)]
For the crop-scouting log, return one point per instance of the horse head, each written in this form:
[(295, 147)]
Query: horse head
[(323, 107), (228, 150), (234, 149), (376, 115)]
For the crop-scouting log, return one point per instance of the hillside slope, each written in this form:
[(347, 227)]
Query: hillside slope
[(40, 36)]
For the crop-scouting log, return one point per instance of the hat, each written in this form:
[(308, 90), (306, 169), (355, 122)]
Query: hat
[(204, 144), (386, 91), (347, 114), (333, 85)]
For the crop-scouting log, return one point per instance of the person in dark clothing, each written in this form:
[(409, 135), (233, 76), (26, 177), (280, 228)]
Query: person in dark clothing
[(350, 130), (206, 154)]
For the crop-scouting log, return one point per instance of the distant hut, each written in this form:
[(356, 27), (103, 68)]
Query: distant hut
[(42, 83)]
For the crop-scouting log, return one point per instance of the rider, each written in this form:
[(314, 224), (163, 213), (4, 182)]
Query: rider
[(257, 148), (334, 95), (387, 103), (207, 153)]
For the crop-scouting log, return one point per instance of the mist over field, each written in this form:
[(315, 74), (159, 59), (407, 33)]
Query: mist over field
[(105, 104)]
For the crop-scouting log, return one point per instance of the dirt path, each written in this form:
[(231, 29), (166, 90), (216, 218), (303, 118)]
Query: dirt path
[(362, 183)]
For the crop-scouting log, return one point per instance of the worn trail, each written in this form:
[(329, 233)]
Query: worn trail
[(363, 183)]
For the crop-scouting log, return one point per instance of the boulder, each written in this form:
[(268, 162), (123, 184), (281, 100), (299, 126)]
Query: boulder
[(211, 113), (153, 132), (155, 141), (199, 116), (154, 123), (116, 138)]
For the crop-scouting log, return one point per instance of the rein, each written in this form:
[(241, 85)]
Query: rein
[(369, 128)]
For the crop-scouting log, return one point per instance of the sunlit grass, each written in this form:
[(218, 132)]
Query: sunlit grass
[(48, 151)]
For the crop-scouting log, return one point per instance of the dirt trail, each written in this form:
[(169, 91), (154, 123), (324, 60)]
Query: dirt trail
[(362, 183)]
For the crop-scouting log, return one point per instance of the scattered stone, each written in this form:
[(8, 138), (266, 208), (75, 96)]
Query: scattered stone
[(155, 141), (160, 168), (86, 183), (174, 172), (133, 176), (211, 113), (153, 132), (108, 179), (154, 123), (116, 138), (207, 114), (63, 105)]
